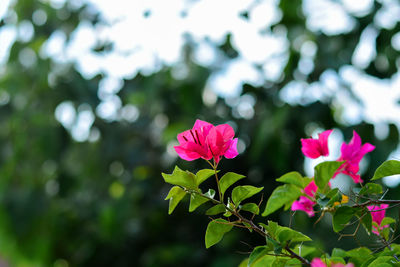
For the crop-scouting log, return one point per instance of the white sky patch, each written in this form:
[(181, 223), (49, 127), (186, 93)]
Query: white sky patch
[(388, 15), (365, 51), (54, 46), (8, 35), (65, 113), (228, 82), (84, 120), (379, 96), (4, 5), (358, 7), (254, 46), (327, 16), (205, 53), (265, 14)]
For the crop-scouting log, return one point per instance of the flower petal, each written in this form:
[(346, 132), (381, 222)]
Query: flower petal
[(232, 150), (310, 148), (323, 141)]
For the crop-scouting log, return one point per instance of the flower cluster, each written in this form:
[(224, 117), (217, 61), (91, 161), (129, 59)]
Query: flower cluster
[(207, 141), (351, 156)]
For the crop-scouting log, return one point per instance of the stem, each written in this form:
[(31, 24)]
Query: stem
[(214, 166)]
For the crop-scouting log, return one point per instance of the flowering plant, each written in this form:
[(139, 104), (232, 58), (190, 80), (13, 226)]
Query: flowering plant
[(285, 246)]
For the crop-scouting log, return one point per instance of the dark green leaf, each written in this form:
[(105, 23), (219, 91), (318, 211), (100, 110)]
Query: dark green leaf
[(203, 175), (281, 196), (241, 193), (229, 179), (294, 178), (175, 195), (341, 217), (371, 188), (388, 168), (251, 207), (215, 231), (220, 208), (182, 178), (324, 172)]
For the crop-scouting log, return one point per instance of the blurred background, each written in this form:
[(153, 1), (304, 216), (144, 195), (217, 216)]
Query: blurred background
[(94, 92)]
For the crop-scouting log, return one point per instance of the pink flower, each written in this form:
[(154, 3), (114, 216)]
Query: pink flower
[(192, 143), (352, 153), (311, 188), (221, 143), (304, 204), (317, 262), (314, 148), (378, 213), (207, 141)]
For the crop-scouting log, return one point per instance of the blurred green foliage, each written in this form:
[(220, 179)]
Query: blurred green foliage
[(101, 202)]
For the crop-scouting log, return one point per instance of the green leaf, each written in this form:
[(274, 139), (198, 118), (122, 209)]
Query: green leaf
[(271, 228), (366, 219), (371, 188), (388, 220), (220, 208), (257, 253), (388, 168), (260, 258), (341, 217), (227, 180), (338, 252), (216, 230), (244, 263), (359, 255), (382, 261), (281, 196), (251, 207), (331, 193), (196, 200), (294, 178), (182, 178), (241, 193), (286, 234), (324, 172), (203, 175), (303, 250), (175, 195)]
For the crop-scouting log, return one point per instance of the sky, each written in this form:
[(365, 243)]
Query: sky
[(138, 28)]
